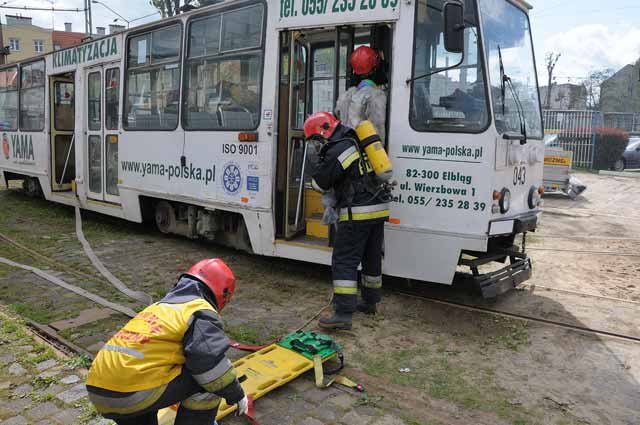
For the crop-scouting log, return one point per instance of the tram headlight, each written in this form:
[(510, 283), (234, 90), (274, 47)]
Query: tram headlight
[(505, 200), (534, 197)]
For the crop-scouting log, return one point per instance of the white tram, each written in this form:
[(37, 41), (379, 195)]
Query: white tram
[(195, 122)]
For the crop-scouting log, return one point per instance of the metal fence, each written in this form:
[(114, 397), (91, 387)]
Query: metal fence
[(629, 122), (576, 130)]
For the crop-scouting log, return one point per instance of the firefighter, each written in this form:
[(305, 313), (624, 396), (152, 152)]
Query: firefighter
[(366, 100), (173, 351), (361, 211)]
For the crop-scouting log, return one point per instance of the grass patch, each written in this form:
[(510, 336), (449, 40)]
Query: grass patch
[(243, 334), (42, 353), (40, 383), (40, 398), (80, 361), (516, 338), (442, 376), (39, 314), (88, 411), (368, 400), (99, 327)]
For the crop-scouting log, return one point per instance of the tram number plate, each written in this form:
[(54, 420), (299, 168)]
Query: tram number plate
[(292, 8)]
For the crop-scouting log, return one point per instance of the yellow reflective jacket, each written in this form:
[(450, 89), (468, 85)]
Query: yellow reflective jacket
[(148, 351)]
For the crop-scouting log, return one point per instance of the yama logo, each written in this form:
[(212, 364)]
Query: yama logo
[(22, 147), (5, 145)]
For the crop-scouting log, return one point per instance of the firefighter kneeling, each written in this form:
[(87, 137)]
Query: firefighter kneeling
[(173, 351), (361, 201)]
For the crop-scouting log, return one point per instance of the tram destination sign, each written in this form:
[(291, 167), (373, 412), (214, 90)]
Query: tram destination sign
[(303, 13), (88, 52)]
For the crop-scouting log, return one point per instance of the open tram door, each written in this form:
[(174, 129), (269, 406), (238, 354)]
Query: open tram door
[(62, 141), (313, 74), (101, 139)]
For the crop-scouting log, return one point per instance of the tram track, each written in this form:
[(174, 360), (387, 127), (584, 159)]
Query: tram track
[(480, 309), (49, 334)]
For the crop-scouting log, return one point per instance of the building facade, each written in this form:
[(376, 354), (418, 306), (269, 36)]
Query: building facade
[(24, 39), (621, 92), (564, 96)]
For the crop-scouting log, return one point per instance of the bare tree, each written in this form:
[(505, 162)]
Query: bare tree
[(166, 7), (592, 85), (551, 59)]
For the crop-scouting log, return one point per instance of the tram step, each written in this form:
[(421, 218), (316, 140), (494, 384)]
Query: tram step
[(312, 203), (315, 228)]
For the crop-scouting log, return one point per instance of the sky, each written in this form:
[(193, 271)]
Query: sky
[(589, 34)]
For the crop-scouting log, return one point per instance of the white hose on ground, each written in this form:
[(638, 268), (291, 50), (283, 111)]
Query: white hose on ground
[(61, 283), (137, 295)]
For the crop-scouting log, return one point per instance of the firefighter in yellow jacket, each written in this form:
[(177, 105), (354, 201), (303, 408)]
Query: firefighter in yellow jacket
[(173, 351)]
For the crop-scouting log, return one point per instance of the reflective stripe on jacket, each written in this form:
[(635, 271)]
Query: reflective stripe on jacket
[(345, 168), (182, 330), (147, 352)]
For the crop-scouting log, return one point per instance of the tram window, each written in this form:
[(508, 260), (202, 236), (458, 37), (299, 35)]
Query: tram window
[(32, 78), (94, 101), (165, 44), (9, 99), (203, 39), (450, 99), (223, 76), (112, 98), (153, 80), (299, 88), (322, 77), (242, 29), (63, 104)]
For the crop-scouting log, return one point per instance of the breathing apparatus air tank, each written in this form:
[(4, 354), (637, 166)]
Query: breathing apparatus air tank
[(372, 144)]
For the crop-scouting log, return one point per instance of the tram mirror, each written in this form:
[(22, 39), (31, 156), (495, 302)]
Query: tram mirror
[(454, 26)]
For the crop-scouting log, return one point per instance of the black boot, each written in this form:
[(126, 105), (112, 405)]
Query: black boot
[(367, 308), (339, 321)]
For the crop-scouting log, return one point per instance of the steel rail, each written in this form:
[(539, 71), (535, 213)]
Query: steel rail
[(554, 323)]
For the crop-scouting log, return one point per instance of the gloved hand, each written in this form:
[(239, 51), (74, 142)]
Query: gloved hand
[(243, 406)]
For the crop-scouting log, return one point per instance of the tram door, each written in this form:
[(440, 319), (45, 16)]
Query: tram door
[(314, 72), (102, 107), (63, 159)]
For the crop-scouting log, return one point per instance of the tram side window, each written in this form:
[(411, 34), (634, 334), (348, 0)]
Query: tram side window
[(94, 101), (452, 98), (9, 99), (153, 80), (223, 71), (32, 79), (112, 98)]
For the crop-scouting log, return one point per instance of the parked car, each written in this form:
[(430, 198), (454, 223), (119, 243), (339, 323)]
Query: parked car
[(630, 157)]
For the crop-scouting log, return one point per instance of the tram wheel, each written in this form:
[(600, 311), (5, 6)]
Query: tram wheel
[(31, 187), (165, 217)]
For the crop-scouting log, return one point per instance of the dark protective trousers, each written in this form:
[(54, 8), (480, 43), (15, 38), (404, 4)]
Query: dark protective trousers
[(196, 406), (357, 242)]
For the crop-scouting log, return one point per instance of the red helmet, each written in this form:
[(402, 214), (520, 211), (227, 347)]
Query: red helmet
[(364, 60), (218, 277), (321, 124)]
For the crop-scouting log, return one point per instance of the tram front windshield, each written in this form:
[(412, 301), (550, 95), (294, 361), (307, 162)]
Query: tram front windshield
[(449, 90), (512, 72)]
